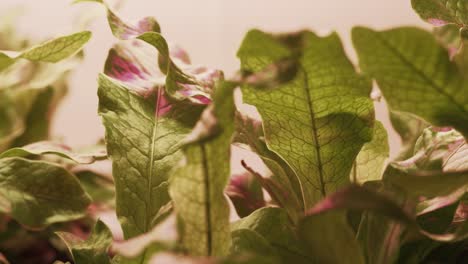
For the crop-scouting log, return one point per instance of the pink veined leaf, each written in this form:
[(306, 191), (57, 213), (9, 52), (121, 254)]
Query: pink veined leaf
[(134, 63)]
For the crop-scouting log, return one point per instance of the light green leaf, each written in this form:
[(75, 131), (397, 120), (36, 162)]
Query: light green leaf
[(273, 226), (41, 193), (317, 122), (248, 241), (369, 164), (53, 148), (92, 250), (143, 137), (51, 51), (197, 186), (441, 12), (415, 74)]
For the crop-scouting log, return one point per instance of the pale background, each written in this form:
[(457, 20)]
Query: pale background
[(210, 30)]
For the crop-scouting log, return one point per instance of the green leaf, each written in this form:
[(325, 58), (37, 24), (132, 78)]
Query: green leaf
[(53, 50), (369, 164), (94, 249), (273, 226), (53, 148), (415, 74), (41, 193), (317, 122), (441, 12), (329, 239), (143, 137), (249, 241), (197, 187)]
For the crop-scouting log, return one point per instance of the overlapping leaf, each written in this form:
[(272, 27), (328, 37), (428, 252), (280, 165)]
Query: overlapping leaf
[(318, 121), (197, 187)]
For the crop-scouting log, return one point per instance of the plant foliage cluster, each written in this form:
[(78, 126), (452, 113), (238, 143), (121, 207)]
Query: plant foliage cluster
[(330, 194)]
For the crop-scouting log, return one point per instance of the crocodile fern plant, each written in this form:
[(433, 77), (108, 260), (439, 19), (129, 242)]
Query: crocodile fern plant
[(330, 194)]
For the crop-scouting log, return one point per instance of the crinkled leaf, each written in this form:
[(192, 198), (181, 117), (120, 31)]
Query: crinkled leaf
[(441, 12), (197, 187), (41, 193), (317, 122), (183, 80), (51, 51), (93, 250), (273, 226), (143, 137), (369, 164), (53, 148), (415, 74)]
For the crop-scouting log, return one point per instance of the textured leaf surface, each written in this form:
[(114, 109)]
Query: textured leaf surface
[(51, 51), (317, 122), (11, 125), (143, 137), (441, 12), (415, 74), (197, 187), (41, 193), (369, 163), (92, 250), (49, 147)]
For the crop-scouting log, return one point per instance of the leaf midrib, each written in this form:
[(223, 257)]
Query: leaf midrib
[(152, 160), (420, 73), (206, 184), (314, 132)]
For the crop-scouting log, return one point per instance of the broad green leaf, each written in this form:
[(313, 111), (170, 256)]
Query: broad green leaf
[(441, 12), (329, 239), (409, 128), (53, 148), (143, 137), (415, 74), (273, 226), (318, 121), (282, 185), (94, 249), (51, 51), (246, 193), (197, 186), (369, 164), (40, 193)]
